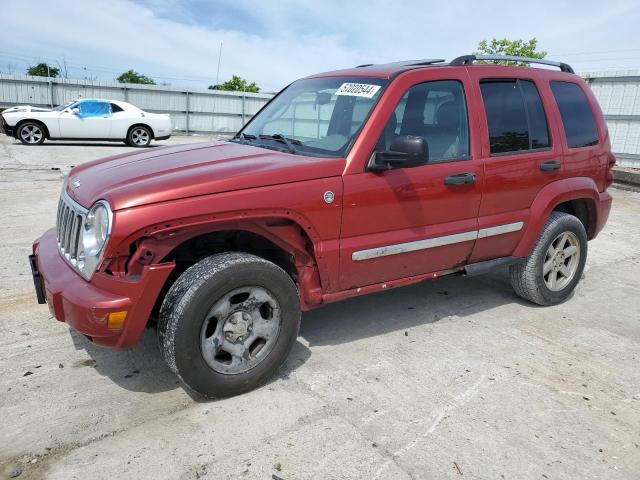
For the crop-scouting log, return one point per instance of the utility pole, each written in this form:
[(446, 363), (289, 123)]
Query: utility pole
[(213, 114), (219, 60)]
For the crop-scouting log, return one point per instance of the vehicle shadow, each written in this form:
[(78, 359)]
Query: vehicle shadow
[(405, 307), (142, 369)]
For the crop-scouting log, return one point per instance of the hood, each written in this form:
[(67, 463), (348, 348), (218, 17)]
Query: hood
[(166, 173), (26, 108)]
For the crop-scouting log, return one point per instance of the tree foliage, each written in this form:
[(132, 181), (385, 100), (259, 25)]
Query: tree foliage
[(504, 46), (237, 84), (131, 76), (43, 70)]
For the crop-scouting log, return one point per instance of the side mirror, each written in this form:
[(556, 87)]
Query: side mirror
[(404, 152), (75, 111)]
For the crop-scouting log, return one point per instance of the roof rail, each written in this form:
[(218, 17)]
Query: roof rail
[(407, 63), (469, 59)]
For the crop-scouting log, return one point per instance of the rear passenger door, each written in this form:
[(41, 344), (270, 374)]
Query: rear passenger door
[(520, 154)]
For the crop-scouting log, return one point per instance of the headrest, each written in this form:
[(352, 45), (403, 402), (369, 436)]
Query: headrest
[(448, 114)]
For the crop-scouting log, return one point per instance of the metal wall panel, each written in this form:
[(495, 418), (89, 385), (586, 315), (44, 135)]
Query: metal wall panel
[(206, 111), (209, 111), (618, 94)]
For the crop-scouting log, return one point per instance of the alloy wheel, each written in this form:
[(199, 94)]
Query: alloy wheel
[(140, 136), (561, 261), (31, 133)]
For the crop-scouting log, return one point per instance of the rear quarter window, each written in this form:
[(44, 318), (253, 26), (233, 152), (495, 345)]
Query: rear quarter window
[(577, 117)]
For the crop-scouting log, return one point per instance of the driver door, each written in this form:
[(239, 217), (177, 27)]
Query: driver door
[(91, 120), (404, 222)]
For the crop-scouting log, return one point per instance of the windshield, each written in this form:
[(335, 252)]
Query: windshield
[(59, 108), (317, 116)]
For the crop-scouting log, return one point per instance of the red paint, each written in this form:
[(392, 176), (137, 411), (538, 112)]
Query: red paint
[(165, 196)]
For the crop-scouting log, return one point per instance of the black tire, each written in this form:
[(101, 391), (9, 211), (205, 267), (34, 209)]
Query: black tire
[(528, 279), (139, 136), (31, 133), (186, 309)]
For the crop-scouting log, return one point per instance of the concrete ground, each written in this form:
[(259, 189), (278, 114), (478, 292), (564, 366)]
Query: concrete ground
[(454, 378)]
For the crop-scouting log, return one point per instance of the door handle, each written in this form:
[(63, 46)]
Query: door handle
[(550, 165), (460, 179)]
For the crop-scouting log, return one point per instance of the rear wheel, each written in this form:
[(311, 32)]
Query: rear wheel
[(139, 136), (31, 133), (554, 267), (228, 322)]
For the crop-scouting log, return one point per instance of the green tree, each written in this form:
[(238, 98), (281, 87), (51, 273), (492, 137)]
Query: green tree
[(43, 70), (237, 84), (504, 46), (131, 76)]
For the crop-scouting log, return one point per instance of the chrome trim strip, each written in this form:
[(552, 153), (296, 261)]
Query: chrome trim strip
[(500, 229), (435, 242), (413, 246)]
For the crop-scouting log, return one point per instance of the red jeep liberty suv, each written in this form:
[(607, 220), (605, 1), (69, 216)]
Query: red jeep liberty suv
[(345, 183)]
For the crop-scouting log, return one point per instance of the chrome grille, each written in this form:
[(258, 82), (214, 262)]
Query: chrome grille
[(71, 217)]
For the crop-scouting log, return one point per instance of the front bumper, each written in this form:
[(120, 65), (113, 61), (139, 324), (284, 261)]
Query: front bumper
[(85, 306), (5, 127)]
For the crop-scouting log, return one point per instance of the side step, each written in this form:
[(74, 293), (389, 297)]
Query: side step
[(479, 268)]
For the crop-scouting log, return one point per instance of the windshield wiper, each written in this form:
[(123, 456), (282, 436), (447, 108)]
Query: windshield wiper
[(278, 137), (245, 138)]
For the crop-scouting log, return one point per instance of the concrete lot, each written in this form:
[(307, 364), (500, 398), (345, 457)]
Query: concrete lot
[(455, 378)]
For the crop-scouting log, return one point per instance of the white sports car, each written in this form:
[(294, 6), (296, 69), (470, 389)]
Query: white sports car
[(86, 119)]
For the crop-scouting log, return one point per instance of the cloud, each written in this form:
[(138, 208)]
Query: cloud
[(274, 43)]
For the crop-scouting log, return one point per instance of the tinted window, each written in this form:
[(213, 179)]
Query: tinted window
[(435, 111), (515, 116), (577, 117), (115, 108), (538, 129)]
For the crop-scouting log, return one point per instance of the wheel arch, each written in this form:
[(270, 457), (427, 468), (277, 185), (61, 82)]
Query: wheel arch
[(33, 120), (141, 124), (280, 240), (577, 196)]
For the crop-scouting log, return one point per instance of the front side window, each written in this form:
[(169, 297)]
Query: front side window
[(316, 116), (515, 116), (91, 108), (435, 111), (577, 117)]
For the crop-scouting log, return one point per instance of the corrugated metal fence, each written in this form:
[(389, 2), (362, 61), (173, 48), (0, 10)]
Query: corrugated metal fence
[(619, 97), (225, 112), (211, 111)]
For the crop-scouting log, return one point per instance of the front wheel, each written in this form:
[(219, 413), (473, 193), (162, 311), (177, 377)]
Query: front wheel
[(31, 133), (139, 136), (228, 322), (554, 267)]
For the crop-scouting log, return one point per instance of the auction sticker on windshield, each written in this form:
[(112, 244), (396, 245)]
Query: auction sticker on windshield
[(358, 90)]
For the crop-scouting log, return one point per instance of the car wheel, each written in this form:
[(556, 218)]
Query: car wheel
[(228, 322), (554, 267), (139, 137), (31, 133)]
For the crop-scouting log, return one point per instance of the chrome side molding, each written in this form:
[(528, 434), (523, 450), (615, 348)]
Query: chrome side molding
[(434, 242)]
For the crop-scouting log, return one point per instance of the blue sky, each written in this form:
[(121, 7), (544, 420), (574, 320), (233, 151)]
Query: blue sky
[(275, 42)]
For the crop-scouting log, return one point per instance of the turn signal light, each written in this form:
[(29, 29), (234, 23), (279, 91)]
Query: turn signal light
[(115, 321)]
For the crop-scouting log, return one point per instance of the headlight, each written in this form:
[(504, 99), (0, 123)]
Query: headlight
[(95, 234), (96, 230)]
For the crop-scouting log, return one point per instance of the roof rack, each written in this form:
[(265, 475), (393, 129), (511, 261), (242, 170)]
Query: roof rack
[(407, 63), (469, 59)]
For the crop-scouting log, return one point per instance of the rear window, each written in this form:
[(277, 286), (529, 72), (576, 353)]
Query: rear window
[(515, 116), (577, 117)]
